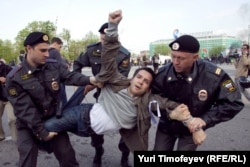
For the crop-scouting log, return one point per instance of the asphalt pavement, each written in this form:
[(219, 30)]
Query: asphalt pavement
[(231, 135)]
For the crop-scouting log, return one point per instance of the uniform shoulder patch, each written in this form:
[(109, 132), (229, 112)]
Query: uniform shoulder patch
[(51, 60), (228, 85), (12, 91), (124, 50), (93, 44), (14, 70)]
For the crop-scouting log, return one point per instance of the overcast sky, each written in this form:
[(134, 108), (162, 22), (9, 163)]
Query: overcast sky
[(144, 21)]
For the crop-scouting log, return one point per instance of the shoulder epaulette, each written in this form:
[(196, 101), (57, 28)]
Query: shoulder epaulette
[(124, 50), (14, 70), (51, 60), (214, 69), (93, 44)]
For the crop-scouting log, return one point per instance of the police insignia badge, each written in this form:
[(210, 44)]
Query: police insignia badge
[(229, 85), (55, 86), (12, 91), (45, 37), (175, 46), (202, 95)]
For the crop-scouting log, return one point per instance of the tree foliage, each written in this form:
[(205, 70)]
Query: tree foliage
[(44, 26), (216, 50), (162, 49)]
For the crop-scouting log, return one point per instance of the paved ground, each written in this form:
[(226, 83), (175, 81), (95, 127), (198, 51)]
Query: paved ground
[(232, 135)]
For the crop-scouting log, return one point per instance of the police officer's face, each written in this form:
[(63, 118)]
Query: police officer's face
[(140, 83), (183, 61), (37, 55)]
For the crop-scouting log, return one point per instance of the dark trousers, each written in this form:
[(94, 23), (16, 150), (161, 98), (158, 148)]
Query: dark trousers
[(166, 142), (60, 145)]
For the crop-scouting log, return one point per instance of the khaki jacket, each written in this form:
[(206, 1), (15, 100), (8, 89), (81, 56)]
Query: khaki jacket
[(242, 66), (137, 138)]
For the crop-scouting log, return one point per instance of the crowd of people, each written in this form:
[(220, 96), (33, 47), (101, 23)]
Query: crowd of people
[(190, 95)]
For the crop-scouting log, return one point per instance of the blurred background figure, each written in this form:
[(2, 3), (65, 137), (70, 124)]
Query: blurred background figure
[(5, 104)]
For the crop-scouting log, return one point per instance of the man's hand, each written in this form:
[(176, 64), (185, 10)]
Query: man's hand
[(180, 113), (2, 79), (115, 17), (93, 81), (199, 137), (50, 136), (195, 123), (88, 88)]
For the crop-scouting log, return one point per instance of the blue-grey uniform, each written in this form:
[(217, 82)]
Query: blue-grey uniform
[(92, 58), (206, 89), (34, 93)]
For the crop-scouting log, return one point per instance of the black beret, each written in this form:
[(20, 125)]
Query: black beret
[(35, 38), (103, 27), (185, 43)]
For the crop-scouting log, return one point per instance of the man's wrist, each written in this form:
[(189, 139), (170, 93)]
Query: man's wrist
[(185, 122)]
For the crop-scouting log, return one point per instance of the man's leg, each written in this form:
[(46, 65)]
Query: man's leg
[(164, 141), (11, 120), (125, 153), (27, 148), (76, 98), (97, 142), (2, 137), (186, 143), (71, 120), (64, 151)]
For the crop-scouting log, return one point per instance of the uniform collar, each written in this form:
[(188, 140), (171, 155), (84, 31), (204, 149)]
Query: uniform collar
[(173, 76), (28, 68)]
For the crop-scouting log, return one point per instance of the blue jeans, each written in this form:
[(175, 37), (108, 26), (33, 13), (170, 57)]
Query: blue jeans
[(76, 99), (72, 120), (63, 95)]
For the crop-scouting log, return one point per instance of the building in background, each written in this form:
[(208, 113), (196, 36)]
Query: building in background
[(207, 41)]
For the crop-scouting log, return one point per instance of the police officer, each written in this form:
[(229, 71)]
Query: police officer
[(92, 58), (206, 89), (33, 88)]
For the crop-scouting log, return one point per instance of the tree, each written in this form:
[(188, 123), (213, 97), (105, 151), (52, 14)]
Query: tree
[(162, 49), (7, 51), (44, 26), (216, 50), (78, 46)]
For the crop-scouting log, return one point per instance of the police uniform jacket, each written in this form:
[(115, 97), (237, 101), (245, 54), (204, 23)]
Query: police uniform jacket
[(33, 92), (92, 58), (136, 138), (208, 92)]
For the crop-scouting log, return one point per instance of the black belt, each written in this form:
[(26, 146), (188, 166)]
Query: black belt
[(86, 118)]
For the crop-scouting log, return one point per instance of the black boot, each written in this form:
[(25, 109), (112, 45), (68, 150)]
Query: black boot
[(124, 159), (97, 162)]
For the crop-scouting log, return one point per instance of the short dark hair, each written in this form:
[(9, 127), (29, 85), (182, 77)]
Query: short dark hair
[(22, 52), (56, 40), (246, 45), (149, 70)]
